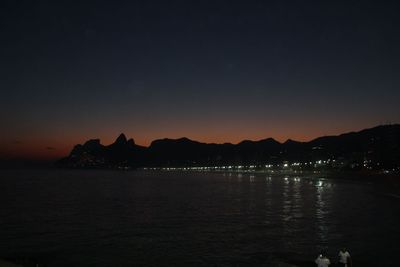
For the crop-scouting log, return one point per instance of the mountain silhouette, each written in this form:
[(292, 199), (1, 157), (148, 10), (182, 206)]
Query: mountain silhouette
[(376, 148)]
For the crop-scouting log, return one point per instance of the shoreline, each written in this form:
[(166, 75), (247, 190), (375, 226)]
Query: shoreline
[(369, 176), (337, 175)]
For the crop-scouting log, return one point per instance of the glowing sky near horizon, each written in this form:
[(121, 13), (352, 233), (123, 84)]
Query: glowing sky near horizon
[(218, 72)]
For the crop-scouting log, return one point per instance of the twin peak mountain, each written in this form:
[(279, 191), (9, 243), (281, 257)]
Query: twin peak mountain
[(379, 145)]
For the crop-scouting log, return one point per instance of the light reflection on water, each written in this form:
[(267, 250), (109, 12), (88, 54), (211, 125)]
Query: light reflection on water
[(320, 212), (72, 218)]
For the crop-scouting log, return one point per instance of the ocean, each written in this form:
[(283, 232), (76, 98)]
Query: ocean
[(149, 218)]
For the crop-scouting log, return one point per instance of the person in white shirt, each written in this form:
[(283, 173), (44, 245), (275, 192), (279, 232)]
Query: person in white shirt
[(344, 258), (322, 261)]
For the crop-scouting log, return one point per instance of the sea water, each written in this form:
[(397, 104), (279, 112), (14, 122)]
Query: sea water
[(138, 218)]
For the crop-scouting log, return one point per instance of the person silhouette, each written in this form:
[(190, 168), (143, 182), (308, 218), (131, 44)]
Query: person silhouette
[(322, 260), (344, 258)]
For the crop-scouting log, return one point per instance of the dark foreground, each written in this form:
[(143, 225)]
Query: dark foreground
[(105, 218), (21, 263)]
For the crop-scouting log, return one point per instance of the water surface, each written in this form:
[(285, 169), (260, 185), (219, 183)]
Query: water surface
[(110, 218)]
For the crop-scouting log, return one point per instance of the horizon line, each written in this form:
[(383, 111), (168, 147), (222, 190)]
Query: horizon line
[(244, 140)]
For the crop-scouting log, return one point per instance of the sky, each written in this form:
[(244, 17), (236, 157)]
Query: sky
[(212, 71)]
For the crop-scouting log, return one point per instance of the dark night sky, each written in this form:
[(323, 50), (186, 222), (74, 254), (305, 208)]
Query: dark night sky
[(214, 71)]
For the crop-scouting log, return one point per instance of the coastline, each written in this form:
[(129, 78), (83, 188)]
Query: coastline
[(326, 174)]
